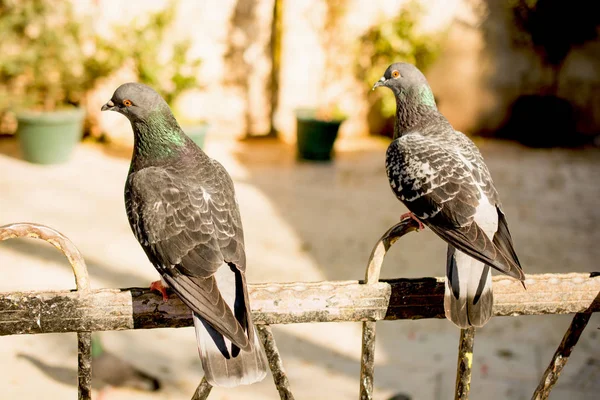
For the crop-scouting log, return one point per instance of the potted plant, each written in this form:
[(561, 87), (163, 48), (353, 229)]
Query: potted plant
[(316, 132), (317, 128), (392, 40), (50, 59)]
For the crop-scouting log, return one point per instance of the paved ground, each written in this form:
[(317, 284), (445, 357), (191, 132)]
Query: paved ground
[(307, 222)]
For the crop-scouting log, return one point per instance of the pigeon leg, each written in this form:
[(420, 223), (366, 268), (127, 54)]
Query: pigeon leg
[(412, 216), (158, 286)]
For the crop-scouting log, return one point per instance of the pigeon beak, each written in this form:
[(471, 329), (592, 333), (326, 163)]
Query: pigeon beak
[(108, 106), (380, 82)]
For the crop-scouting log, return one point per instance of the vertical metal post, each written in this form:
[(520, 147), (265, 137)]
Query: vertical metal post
[(275, 363), (367, 360), (84, 369), (465, 363)]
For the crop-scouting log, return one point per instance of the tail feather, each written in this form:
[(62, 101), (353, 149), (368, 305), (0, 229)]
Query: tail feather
[(468, 298), (224, 363), (245, 368)]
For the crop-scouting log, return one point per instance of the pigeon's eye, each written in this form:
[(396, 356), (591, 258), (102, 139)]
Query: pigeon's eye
[(127, 103), (395, 73)]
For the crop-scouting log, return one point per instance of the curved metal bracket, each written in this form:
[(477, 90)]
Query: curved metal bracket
[(82, 282), (367, 360)]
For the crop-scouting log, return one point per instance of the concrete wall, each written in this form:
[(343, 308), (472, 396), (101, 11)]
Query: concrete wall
[(482, 72), (476, 78)]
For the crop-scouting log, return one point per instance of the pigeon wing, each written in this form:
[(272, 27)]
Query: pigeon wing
[(441, 180), (481, 174), (189, 230)]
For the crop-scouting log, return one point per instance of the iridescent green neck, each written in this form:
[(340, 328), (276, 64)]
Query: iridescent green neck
[(426, 96), (412, 105), (158, 136)]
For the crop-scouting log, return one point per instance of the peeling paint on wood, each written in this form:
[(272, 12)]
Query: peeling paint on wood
[(284, 303)]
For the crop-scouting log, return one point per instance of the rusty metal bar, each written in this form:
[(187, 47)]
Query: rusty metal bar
[(465, 363), (84, 365), (383, 245), (82, 282), (367, 360), (285, 303), (280, 378), (561, 356), (56, 239), (203, 390)]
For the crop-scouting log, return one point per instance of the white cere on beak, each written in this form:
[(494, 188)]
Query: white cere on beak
[(378, 83)]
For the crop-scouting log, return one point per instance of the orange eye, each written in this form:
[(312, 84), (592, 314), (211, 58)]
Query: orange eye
[(127, 103), (395, 73)]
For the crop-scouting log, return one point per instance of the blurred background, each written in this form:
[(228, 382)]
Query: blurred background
[(280, 93)]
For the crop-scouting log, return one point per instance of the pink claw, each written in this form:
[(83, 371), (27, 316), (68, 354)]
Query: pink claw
[(158, 286), (412, 216)]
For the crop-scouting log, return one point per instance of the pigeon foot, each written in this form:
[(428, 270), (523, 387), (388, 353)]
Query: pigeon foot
[(158, 286), (412, 216)]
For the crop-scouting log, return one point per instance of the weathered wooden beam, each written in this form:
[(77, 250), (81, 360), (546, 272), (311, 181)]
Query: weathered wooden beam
[(283, 303)]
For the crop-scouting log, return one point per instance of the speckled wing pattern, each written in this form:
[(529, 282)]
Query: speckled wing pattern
[(189, 224), (441, 178)]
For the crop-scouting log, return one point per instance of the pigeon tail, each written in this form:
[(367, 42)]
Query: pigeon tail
[(468, 297), (245, 368), (224, 363)]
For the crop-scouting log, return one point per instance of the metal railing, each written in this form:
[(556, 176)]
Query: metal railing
[(85, 310)]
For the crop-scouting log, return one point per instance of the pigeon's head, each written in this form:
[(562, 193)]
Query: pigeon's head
[(135, 101), (403, 79)]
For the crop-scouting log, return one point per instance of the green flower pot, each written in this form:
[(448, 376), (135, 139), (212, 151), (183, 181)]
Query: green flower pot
[(49, 137), (315, 137), (197, 133)]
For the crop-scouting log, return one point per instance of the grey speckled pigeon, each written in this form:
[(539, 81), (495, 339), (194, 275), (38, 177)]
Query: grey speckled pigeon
[(441, 177), (182, 209)]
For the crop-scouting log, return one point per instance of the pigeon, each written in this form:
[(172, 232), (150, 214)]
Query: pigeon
[(440, 176), (182, 209)]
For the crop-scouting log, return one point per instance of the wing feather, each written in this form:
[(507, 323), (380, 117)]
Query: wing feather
[(190, 227), (441, 178)]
